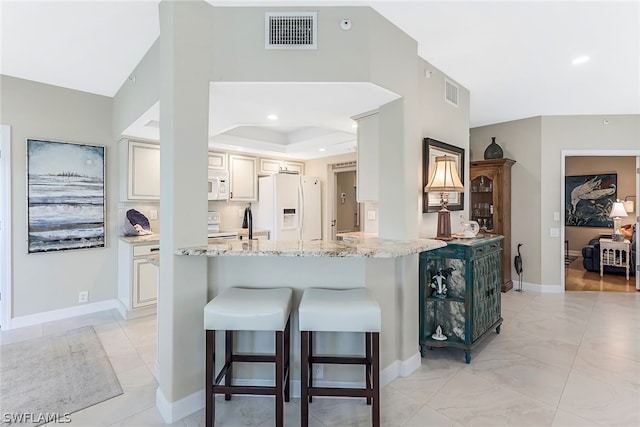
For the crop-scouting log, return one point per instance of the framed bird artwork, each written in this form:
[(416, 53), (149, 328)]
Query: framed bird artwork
[(588, 199)]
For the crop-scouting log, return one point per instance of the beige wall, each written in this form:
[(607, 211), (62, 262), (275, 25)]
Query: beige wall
[(520, 141), (624, 167), (51, 281)]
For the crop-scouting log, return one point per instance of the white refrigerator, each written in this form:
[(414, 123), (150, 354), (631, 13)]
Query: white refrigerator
[(289, 207)]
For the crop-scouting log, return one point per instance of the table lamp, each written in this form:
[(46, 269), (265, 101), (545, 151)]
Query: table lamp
[(617, 213), (444, 180)]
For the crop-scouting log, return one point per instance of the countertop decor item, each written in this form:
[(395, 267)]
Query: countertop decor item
[(493, 151), (136, 224)]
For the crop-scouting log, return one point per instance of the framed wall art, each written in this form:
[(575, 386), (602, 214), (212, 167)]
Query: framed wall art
[(65, 196), (588, 199), (432, 149)]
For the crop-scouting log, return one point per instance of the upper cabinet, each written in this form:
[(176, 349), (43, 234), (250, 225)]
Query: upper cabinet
[(368, 158), (243, 178), (142, 160), (271, 166), (217, 160)]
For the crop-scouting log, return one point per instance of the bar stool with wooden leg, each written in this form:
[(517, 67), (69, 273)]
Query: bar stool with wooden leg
[(243, 309), (333, 310)]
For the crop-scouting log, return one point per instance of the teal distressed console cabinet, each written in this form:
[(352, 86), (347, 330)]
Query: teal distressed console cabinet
[(470, 308)]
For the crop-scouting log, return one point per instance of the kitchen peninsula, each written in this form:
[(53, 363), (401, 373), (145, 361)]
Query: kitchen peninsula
[(389, 268)]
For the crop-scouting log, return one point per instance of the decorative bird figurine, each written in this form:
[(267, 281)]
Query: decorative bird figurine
[(517, 263)]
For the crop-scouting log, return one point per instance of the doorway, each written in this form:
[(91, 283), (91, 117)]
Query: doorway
[(5, 226), (625, 166), (345, 213)]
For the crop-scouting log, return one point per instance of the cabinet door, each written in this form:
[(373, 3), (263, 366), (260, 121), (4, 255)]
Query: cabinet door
[(294, 167), (144, 171), (145, 283), (483, 203), (243, 179), (217, 160), (270, 166)]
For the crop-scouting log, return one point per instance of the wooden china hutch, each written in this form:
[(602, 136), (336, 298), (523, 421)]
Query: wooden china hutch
[(491, 205)]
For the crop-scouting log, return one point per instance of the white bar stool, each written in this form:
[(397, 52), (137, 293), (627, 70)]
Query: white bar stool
[(243, 309), (333, 310)]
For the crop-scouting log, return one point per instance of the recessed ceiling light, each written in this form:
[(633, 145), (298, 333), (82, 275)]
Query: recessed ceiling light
[(322, 149), (272, 117), (578, 60)]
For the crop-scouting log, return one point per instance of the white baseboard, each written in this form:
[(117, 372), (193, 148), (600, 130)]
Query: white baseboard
[(127, 314), (63, 313), (400, 369), (174, 411), (543, 289)]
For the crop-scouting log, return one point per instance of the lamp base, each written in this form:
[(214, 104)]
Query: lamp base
[(444, 225)]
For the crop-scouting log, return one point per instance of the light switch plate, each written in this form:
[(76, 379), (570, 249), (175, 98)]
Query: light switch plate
[(371, 215), (556, 216)]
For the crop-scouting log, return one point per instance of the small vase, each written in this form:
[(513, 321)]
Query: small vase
[(493, 151)]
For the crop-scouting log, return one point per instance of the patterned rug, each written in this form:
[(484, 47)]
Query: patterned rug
[(47, 379), (569, 259)]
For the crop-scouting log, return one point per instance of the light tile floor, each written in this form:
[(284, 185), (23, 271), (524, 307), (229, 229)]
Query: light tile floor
[(561, 360)]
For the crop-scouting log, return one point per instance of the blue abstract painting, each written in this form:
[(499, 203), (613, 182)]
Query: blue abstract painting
[(588, 199), (66, 198)]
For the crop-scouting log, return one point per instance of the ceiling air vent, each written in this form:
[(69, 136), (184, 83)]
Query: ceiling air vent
[(450, 92), (290, 30)]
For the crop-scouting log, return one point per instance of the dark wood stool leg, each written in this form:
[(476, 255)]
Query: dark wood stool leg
[(304, 378), (279, 379), (287, 360), (376, 379), (228, 349), (209, 375), (310, 364), (367, 367)]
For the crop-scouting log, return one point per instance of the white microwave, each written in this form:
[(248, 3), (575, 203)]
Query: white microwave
[(218, 187)]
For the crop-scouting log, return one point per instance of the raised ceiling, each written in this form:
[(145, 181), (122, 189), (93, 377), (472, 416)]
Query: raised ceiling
[(515, 57)]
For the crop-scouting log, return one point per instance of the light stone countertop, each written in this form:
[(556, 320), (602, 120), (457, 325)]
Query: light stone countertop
[(147, 238), (366, 248)]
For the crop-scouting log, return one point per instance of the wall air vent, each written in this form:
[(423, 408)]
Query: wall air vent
[(450, 92), (343, 165), (290, 30)]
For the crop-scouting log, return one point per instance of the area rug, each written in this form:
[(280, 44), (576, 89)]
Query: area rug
[(569, 259), (48, 378)]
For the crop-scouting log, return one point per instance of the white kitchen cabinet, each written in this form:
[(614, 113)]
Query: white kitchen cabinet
[(293, 166), (137, 280), (217, 160), (243, 178), (271, 166), (142, 160), (368, 158)]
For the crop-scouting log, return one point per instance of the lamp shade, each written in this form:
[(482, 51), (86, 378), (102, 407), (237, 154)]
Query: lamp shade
[(445, 176), (617, 211)]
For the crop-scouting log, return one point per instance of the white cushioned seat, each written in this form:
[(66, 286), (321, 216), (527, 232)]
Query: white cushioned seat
[(339, 310), (244, 309)]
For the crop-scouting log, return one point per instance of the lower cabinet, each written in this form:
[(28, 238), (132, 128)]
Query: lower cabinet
[(137, 280), (470, 308)]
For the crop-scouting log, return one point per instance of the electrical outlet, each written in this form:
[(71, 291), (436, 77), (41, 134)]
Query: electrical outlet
[(153, 214), (240, 213), (371, 215), (318, 371), (554, 232), (83, 296)]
